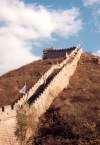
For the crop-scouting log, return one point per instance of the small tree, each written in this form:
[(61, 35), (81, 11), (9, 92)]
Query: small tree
[(26, 123)]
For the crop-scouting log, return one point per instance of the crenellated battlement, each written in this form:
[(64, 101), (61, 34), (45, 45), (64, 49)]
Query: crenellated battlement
[(7, 112), (50, 53), (55, 49)]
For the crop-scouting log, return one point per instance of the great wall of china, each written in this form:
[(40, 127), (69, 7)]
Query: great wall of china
[(43, 100)]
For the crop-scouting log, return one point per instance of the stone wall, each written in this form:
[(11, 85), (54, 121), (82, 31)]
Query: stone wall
[(7, 129), (54, 88), (10, 111), (7, 112), (42, 103)]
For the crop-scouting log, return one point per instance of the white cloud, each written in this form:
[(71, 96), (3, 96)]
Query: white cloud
[(90, 2), (96, 16), (98, 11), (95, 11), (97, 53), (22, 25), (66, 23)]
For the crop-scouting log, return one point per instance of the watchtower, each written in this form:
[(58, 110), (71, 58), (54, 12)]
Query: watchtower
[(51, 53)]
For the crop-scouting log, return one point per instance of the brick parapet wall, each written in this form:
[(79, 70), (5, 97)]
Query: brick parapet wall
[(7, 112)]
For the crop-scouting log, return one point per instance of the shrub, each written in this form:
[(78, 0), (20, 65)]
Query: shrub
[(26, 123)]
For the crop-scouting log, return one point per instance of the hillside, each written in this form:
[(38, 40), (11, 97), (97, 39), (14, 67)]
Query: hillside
[(74, 116), (11, 82)]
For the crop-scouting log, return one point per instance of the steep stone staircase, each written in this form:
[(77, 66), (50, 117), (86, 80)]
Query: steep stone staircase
[(43, 86), (56, 84)]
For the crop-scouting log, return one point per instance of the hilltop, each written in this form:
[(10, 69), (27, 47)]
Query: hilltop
[(74, 116)]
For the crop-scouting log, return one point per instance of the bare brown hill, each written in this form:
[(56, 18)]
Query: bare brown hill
[(11, 82), (74, 116)]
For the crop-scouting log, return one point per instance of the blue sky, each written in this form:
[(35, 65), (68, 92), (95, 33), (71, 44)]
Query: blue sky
[(29, 26), (90, 33)]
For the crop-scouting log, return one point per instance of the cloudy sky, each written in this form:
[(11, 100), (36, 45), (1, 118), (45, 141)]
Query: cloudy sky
[(28, 26)]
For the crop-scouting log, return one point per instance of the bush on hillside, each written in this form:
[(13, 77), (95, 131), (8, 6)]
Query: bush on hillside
[(26, 123)]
